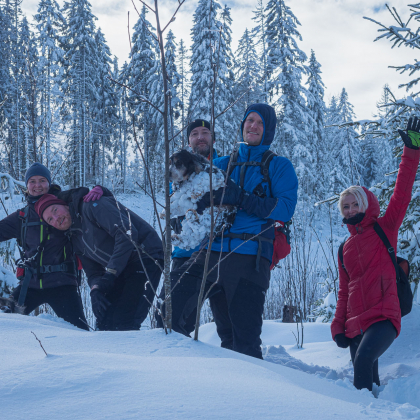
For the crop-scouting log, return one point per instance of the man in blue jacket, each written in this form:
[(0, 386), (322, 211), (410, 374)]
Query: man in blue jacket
[(245, 252), (200, 141)]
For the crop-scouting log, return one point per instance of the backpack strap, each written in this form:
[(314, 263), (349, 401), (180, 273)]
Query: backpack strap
[(232, 161), (24, 216), (391, 251), (268, 156)]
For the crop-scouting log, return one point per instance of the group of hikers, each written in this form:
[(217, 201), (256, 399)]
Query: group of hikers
[(60, 232)]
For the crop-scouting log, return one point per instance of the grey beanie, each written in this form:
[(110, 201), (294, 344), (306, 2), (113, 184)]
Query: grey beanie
[(38, 169)]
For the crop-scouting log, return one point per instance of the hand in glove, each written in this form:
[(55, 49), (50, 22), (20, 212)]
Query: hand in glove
[(234, 196), (342, 341), (94, 194), (411, 137), (100, 304), (105, 284), (176, 224)]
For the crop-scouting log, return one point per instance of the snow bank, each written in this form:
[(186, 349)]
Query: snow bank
[(147, 374)]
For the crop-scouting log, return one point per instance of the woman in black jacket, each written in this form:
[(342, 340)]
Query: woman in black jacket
[(48, 269)]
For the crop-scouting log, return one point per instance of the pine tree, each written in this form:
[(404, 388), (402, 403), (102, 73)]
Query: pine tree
[(211, 55), (50, 23), (285, 67), (260, 32), (183, 89), (78, 85), (247, 72), (316, 124), (140, 67)]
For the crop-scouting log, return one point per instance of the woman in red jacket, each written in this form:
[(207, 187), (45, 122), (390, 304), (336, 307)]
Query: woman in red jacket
[(368, 316)]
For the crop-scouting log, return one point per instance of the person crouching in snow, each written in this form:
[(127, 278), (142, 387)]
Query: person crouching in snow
[(368, 315), (119, 251)]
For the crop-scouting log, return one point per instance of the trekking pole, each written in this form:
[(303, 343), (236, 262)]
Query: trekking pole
[(86, 324)]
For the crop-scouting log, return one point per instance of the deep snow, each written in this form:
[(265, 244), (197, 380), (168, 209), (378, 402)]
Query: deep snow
[(147, 374)]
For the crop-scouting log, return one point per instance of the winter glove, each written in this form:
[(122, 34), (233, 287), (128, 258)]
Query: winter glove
[(342, 341), (100, 304), (105, 284), (411, 138), (234, 196), (94, 194), (176, 224)]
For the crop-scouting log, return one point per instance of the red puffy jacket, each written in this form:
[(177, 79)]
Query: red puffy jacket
[(368, 290)]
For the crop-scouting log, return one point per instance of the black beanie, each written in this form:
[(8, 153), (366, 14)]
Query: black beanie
[(37, 169), (197, 123)]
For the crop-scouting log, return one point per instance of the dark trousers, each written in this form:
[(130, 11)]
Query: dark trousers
[(64, 300), (365, 351), (131, 298), (218, 305), (242, 286)]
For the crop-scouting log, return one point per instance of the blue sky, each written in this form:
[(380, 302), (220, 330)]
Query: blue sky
[(334, 29)]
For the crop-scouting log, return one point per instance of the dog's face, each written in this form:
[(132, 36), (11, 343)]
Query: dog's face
[(185, 163)]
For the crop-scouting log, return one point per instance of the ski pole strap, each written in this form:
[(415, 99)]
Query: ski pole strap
[(251, 237), (24, 286), (391, 251)]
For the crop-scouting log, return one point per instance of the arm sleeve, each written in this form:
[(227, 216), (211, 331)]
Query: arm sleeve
[(10, 227), (284, 186), (94, 271), (116, 223), (401, 197), (339, 321)]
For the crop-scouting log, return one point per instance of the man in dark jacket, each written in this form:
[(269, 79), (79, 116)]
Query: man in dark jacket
[(200, 141), (121, 255), (47, 270), (246, 250)]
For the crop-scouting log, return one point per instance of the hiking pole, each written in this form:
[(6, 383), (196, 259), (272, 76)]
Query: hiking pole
[(86, 324)]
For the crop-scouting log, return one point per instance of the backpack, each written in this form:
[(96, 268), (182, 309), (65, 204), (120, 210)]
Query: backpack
[(281, 243), (402, 270), (24, 271)]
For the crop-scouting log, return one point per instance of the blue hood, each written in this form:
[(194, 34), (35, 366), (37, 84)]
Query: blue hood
[(268, 115)]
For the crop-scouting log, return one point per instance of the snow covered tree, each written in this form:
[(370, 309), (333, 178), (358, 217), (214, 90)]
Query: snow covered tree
[(316, 124), (285, 68), (260, 32), (50, 23), (78, 86), (140, 67), (183, 88), (212, 59), (247, 72)]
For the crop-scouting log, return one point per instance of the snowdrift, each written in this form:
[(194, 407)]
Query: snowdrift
[(148, 375)]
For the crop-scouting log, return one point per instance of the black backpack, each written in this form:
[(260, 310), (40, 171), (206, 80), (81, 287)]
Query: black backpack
[(405, 295)]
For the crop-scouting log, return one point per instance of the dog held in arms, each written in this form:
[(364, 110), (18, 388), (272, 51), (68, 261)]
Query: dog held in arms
[(190, 176)]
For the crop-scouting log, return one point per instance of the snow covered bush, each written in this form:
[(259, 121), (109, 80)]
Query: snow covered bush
[(325, 308)]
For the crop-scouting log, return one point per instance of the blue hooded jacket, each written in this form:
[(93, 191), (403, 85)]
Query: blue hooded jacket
[(278, 206), (183, 253)]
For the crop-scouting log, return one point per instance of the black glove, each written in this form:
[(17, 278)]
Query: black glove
[(411, 137), (106, 283), (234, 196), (100, 304), (342, 341), (176, 224)]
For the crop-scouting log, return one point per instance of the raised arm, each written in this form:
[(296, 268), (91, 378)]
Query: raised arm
[(401, 197)]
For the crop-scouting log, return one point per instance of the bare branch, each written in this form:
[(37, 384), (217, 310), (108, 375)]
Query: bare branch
[(141, 1), (180, 3), (40, 343)]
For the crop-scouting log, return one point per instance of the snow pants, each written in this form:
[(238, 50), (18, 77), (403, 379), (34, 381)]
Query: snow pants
[(243, 289), (130, 298), (365, 351), (219, 308), (64, 300)]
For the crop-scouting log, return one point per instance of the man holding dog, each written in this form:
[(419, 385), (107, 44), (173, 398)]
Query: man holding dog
[(245, 252), (122, 255), (200, 140)]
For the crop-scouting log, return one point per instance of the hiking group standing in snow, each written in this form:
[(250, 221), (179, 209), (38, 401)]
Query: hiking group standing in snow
[(122, 255)]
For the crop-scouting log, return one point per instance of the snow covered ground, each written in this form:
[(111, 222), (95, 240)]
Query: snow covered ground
[(147, 374)]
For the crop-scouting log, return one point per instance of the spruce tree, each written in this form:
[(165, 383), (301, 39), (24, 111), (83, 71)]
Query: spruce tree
[(50, 24)]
